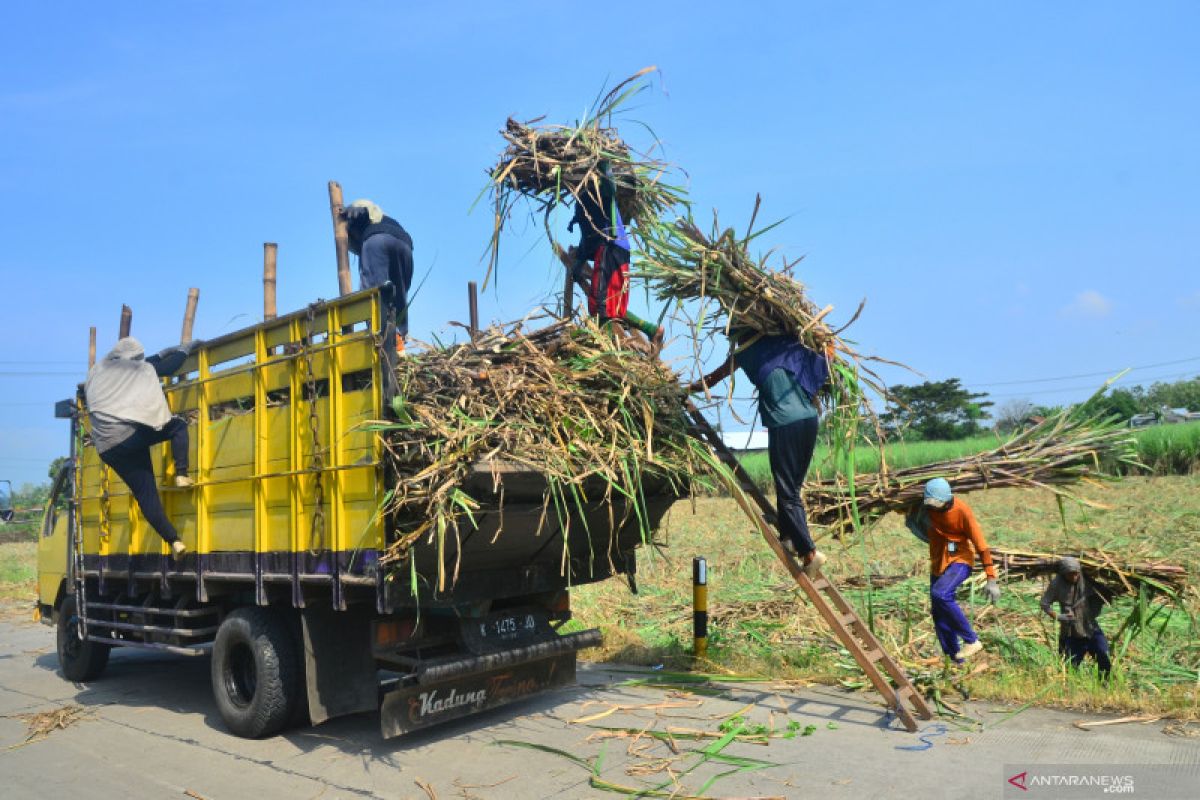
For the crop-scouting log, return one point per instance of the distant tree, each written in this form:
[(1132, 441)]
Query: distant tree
[(1119, 403), (1013, 413), (56, 465), (1180, 394), (935, 410)]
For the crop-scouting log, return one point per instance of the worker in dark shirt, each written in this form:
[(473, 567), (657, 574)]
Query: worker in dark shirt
[(604, 243), (128, 413), (1079, 604), (385, 254), (788, 377)]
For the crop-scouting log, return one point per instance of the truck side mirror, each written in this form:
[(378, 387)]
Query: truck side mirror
[(6, 501)]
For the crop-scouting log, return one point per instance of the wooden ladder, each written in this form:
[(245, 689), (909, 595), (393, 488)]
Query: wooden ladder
[(853, 633)]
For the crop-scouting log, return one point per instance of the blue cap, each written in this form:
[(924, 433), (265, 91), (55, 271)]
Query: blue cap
[(938, 490)]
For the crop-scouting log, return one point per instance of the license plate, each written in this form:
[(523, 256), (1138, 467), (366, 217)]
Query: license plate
[(506, 629)]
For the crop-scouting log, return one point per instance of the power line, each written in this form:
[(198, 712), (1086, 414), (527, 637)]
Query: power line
[(1085, 388), (1108, 372)]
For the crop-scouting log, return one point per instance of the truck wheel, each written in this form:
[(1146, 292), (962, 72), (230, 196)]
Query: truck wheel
[(80, 660), (255, 672)]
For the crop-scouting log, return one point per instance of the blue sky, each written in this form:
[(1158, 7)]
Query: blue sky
[(1013, 187)]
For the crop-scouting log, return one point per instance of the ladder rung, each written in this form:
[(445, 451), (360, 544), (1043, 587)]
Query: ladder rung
[(873, 655), (820, 583), (848, 619)]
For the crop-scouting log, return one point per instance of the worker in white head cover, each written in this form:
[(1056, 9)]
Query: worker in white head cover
[(385, 255), (128, 413)]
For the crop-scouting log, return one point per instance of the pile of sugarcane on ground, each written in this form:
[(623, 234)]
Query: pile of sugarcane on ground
[(1116, 575), (570, 402), (1064, 449)]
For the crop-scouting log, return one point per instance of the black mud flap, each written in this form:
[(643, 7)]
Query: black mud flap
[(339, 667), (422, 705)]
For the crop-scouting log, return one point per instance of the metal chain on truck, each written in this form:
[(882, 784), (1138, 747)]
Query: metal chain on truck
[(317, 534), (76, 525)]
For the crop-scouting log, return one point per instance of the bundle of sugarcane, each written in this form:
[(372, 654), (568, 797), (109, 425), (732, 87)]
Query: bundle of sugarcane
[(723, 289), (570, 402), (550, 164), (1104, 569), (1063, 449)]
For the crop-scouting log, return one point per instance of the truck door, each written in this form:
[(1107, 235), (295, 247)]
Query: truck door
[(52, 539)]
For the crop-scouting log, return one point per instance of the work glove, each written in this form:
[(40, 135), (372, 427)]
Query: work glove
[(992, 589)]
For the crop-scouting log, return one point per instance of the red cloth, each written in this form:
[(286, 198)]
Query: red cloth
[(609, 296)]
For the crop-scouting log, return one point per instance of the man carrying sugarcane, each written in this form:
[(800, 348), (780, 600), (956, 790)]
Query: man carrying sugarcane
[(1079, 604), (385, 254), (788, 377), (949, 526), (604, 242)]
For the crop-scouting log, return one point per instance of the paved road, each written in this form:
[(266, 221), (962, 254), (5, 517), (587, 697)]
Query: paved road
[(151, 731)]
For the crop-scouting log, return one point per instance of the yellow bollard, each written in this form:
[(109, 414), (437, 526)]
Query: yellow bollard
[(699, 607)]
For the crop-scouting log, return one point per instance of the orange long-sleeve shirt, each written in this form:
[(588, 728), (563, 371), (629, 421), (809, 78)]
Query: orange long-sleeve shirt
[(955, 535)]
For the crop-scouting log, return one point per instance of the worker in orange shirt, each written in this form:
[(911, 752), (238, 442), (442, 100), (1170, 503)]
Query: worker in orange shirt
[(954, 536)]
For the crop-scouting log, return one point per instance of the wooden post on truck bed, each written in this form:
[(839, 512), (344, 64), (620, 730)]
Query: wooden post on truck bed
[(270, 252), (126, 322), (91, 347), (473, 308), (189, 315), (341, 239)]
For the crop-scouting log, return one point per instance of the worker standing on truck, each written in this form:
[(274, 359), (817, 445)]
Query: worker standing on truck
[(604, 242), (788, 377), (949, 526), (385, 254), (1079, 604), (129, 413)]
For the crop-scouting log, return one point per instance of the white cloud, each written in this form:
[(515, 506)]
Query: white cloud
[(1088, 303)]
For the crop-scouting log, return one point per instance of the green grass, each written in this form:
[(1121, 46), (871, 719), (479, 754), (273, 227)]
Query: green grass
[(900, 455), (1164, 449), (1170, 449), (18, 570), (761, 624)]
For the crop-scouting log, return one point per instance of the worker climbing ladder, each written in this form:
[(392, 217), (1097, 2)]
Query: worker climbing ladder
[(855, 636)]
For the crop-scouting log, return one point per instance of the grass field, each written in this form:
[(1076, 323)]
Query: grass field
[(761, 624), (18, 571), (1164, 449)]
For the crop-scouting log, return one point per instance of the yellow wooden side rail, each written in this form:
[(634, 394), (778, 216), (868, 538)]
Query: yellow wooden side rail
[(287, 488)]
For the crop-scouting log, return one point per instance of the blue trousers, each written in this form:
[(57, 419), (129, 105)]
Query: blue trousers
[(1076, 647), (386, 258), (948, 618)]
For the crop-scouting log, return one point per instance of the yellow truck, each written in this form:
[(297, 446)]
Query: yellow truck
[(282, 585)]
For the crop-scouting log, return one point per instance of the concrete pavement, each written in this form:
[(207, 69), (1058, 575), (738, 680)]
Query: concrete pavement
[(152, 731)]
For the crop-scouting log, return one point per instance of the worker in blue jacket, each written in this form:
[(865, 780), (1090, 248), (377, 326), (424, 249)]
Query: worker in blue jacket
[(788, 377)]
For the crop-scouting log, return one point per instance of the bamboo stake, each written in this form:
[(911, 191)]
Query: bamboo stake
[(341, 239), (126, 322), (270, 252), (189, 315), (91, 347), (473, 305)]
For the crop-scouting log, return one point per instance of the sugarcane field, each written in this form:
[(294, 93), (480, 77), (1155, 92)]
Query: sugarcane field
[(779, 402)]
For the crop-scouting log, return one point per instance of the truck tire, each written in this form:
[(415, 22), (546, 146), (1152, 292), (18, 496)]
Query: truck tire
[(80, 660), (255, 672)]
